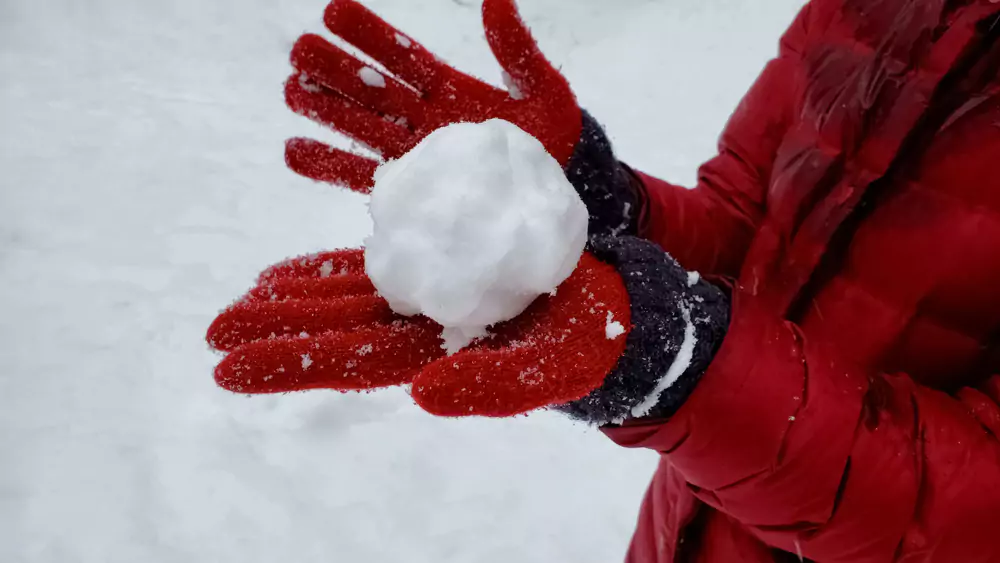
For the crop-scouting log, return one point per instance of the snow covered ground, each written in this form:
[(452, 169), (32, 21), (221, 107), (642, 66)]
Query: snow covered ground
[(142, 187)]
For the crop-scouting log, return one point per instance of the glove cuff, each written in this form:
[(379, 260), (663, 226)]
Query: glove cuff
[(604, 184), (678, 323)]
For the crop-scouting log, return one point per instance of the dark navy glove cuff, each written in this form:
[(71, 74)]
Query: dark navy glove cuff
[(604, 185), (678, 323)]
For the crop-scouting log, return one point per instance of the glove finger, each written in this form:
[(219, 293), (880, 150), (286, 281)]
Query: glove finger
[(248, 321), (401, 55), (333, 287), (334, 68), (561, 349), (459, 96), (553, 115), (346, 361), (323, 163), (518, 53), (332, 110), (319, 265)]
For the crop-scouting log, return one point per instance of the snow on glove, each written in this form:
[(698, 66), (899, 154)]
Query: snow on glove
[(390, 113), (316, 322)]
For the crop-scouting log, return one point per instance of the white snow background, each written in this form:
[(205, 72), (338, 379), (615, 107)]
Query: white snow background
[(142, 187)]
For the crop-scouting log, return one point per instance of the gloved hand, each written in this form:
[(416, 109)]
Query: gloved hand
[(626, 335), (392, 113), (316, 322), (621, 338)]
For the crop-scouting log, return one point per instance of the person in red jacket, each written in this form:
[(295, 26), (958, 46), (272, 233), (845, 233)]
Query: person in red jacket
[(827, 392)]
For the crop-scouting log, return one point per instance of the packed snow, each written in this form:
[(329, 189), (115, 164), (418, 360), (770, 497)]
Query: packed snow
[(371, 77), (471, 226), (613, 329), (403, 40), (142, 187), (512, 90)]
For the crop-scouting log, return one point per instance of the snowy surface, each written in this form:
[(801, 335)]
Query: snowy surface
[(141, 189), (471, 226)]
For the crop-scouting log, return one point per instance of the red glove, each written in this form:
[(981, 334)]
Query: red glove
[(316, 322), (391, 114)]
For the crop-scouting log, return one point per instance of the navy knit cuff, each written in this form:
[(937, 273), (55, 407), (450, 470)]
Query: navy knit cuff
[(604, 185), (678, 323)]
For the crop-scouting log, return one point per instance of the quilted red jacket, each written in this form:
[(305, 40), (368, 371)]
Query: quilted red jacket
[(852, 413)]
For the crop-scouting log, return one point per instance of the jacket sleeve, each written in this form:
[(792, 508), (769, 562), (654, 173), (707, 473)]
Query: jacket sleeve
[(832, 462), (709, 228)]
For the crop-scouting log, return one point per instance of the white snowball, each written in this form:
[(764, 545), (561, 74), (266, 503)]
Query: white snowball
[(471, 226)]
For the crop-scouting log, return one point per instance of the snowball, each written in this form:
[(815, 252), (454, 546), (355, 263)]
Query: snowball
[(371, 77), (403, 41), (693, 278), (471, 226)]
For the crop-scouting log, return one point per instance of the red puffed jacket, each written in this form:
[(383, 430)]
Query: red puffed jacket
[(852, 413)]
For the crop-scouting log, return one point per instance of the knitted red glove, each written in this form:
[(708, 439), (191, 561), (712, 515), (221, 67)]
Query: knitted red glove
[(316, 322), (391, 114)]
